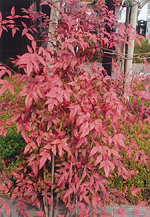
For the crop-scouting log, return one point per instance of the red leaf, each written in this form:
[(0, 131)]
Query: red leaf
[(29, 68), (66, 148), (42, 161), (54, 149), (121, 212), (35, 165), (28, 102), (79, 121), (3, 188), (13, 32), (29, 49), (98, 160), (68, 192), (115, 152), (11, 88), (1, 30), (134, 191), (7, 208), (87, 200), (34, 45), (148, 209), (84, 129), (94, 151), (119, 139), (50, 202), (105, 164), (69, 207), (13, 11), (84, 173), (71, 48), (1, 18), (27, 148), (138, 41), (105, 214), (29, 36), (40, 213), (3, 89), (142, 203)]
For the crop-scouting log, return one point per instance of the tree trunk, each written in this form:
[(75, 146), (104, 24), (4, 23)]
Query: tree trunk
[(130, 49), (54, 17)]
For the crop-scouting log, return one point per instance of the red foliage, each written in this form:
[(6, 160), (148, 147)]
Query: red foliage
[(70, 119)]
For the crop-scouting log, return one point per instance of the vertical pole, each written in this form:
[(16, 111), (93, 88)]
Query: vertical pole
[(130, 49), (107, 56)]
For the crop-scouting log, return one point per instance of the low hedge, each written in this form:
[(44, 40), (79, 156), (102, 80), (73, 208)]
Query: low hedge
[(142, 178), (11, 148), (13, 144), (141, 52)]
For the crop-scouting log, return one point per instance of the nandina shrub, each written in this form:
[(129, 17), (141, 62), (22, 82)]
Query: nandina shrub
[(71, 117)]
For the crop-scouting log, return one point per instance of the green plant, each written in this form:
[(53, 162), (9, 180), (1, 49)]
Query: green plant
[(13, 144), (11, 148), (141, 178), (141, 52)]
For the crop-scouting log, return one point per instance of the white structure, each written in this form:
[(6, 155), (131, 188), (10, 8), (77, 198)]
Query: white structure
[(148, 11)]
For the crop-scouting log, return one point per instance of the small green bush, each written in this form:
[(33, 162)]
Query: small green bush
[(11, 147), (142, 51), (139, 135), (142, 178)]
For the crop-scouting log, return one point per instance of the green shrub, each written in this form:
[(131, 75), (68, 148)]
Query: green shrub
[(141, 51), (11, 148), (139, 135)]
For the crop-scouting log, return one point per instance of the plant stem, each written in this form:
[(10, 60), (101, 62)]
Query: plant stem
[(56, 209), (45, 205), (69, 198), (52, 180)]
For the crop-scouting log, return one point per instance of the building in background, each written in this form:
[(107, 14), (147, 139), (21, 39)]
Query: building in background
[(148, 11), (12, 46)]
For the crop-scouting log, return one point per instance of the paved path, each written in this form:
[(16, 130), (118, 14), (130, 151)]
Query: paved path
[(112, 211)]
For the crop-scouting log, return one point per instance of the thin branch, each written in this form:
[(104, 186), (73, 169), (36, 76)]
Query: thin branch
[(52, 180)]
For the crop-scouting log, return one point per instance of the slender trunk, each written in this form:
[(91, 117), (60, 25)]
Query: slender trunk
[(45, 205), (46, 210), (69, 198), (54, 17), (125, 46), (56, 209), (130, 49), (52, 181)]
